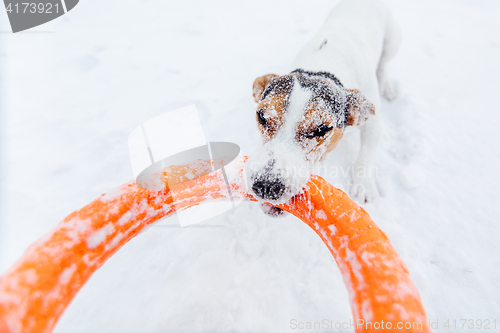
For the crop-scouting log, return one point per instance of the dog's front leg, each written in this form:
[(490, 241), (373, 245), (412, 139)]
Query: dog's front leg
[(364, 187)]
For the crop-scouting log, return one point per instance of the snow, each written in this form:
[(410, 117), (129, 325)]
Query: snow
[(65, 276), (73, 92), (321, 215)]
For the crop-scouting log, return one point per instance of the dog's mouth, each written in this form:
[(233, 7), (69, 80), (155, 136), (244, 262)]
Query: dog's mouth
[(274, 189)]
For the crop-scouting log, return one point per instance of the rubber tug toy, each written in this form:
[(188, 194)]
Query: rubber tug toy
[(36, 290)]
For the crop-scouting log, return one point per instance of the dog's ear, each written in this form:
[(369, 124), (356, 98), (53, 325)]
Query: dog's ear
[(260, 84), (358, 108)]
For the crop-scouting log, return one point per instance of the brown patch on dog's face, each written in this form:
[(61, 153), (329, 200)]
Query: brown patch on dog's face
[(309, 130), (260, 84), (271, 111), (270, 116)]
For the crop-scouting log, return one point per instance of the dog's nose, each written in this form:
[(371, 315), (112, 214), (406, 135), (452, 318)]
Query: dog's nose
[(268, 189)]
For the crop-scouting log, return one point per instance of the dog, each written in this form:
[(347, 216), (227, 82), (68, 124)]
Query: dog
[(335, 81)]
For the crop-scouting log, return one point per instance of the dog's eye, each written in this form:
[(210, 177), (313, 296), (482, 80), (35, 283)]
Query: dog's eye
[(261, 119), (322, 130)]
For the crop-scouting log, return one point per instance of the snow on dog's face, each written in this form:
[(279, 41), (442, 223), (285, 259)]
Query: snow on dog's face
[(302, 117)]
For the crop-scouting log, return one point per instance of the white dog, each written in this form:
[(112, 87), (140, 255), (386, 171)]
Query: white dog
[(336, 81)]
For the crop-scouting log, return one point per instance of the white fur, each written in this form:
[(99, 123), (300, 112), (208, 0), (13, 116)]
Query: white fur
[(361, 36)]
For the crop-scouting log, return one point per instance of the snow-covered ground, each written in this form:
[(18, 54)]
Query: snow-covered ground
[(73, 89)]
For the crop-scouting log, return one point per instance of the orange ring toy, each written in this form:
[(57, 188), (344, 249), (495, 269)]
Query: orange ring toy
[(36, 290)]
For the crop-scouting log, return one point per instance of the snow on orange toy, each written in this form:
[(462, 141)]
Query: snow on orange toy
[(37, 289)]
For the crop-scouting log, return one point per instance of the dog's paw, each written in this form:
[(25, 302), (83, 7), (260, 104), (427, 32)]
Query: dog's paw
[(389, 89), (364, 190), (272, 211)]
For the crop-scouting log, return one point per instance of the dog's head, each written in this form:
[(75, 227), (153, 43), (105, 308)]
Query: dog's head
[(302, 117)]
